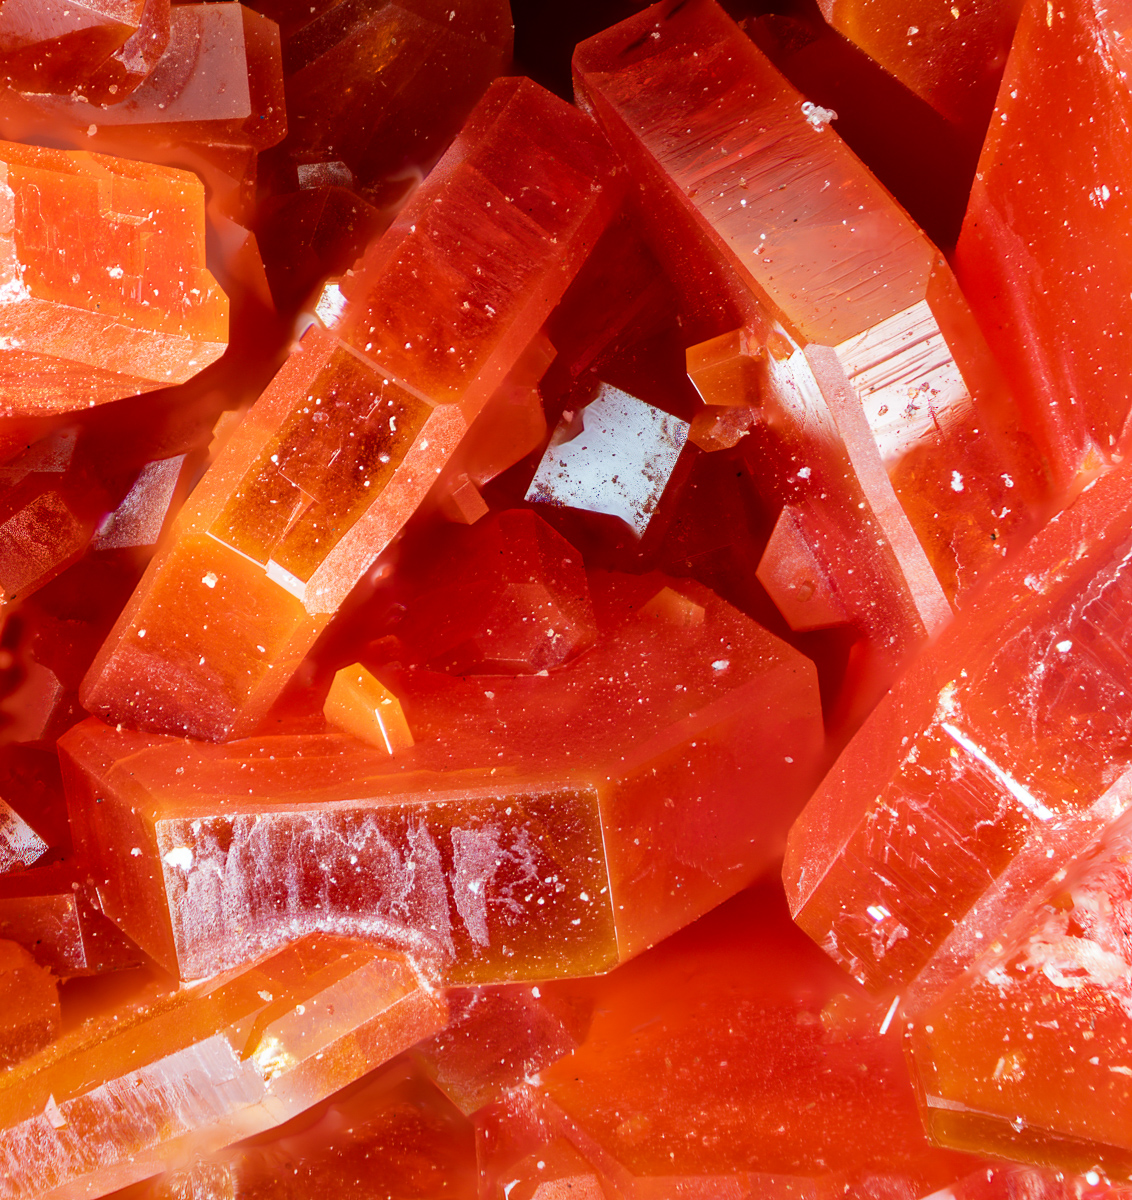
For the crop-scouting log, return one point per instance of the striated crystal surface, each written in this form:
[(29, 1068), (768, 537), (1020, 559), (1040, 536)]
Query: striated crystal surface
[(994, 760), (197, 1069), (285, 523), (879, 342), (526, 835), (447, 535)]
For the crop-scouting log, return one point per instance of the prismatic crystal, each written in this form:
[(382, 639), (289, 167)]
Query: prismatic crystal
[(564, 601)]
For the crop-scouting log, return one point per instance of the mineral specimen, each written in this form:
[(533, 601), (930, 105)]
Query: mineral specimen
[(344, 445), (396, 768)]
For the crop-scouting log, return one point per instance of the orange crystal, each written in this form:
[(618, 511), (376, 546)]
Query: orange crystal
[(383, 87), (284, 523), (875, 345), (527, 834), (1027, 1054), (738, 1030), (363, 707), (392, 1136), (29, 1005), (952, 57), (100, 48), (204, 1067), (54, 913), (993, 761), (1043, 253), (106, 292)]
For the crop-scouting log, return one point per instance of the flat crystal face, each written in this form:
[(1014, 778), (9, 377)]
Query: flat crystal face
[(330, 460), (617, 463), (564, 600)]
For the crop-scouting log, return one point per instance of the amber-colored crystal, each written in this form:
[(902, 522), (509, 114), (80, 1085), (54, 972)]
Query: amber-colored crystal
[(29, 1005), (205, 1067), (367, 710), (285, 523), (996, 758), (528, 834)]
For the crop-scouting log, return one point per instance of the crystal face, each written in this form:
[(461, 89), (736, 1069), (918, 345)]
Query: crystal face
[(564, 601)]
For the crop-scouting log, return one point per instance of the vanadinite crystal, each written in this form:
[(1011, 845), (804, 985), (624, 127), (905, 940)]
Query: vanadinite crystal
[(551, 648)]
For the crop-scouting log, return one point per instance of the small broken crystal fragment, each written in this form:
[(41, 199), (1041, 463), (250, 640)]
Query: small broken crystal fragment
[(103, 279), (1027, 1055), (541, 826), (1044, 243), (789, 225), (342, 448), (993, 761), (795, 579), (365, 708), (29, 1005), (616, 458), (204, 1067), (20, 845), (952, 56)]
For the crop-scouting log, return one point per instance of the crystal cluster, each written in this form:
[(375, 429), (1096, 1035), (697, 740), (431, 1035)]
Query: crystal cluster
[(565, 588)]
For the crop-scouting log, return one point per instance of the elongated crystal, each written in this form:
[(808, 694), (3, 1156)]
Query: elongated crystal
[(995, 760), (127, 1094), (529, 833), (345, 443)]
